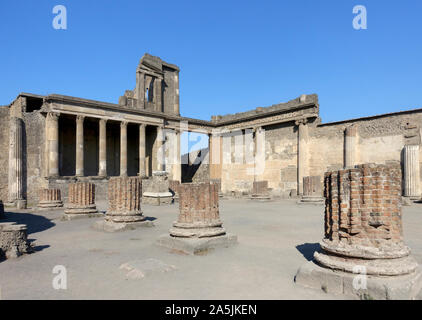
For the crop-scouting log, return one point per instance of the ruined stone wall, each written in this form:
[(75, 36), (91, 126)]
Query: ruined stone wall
[(4, 155), (378, 140)]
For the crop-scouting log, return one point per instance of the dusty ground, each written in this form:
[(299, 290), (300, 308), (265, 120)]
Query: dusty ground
[(275, 239)]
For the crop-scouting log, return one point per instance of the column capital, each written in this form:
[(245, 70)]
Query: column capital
[(123, 124), (80, 118), (104, 121), (142, 125), (53, 115), (301, 121)]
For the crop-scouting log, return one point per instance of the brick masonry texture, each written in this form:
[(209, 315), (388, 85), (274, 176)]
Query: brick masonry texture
[(82, 194), (124, 194)]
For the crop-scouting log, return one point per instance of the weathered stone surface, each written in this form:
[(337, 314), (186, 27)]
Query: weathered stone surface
[(363, 228), (312, 191), (260, 190), (198, 226), (50, 198), (13, 240), (124, 196), (411, 176), (81, 201), (139, 269), (157, 189)]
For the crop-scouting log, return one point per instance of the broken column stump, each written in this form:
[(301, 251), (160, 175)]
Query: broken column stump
[(157, 189), (13, 240), (198, 227), (50, 199), (363, 252), (81, 202), (260, 191), (312, 191), (124, 211)]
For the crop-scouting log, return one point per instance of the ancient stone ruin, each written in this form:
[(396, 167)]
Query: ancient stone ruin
[(124, 211), (157, 189), (50, 199), (198, 227), (260, 190), (13, 240), (364, 237), (312, 191), (81, 202)]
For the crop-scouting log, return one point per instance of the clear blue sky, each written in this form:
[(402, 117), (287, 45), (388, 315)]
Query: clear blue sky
[(234, 55)]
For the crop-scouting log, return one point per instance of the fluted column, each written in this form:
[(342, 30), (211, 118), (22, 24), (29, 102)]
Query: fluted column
[(411, 175), (80, 146), (53, 143), (142, 151), (123, 149), (350, 140), (302, 166), (103, 149), (16, 160)]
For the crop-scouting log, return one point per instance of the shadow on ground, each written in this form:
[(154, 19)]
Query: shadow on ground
[(35, 223), (308, 250)]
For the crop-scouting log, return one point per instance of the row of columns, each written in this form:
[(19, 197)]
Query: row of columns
[(52, 148)]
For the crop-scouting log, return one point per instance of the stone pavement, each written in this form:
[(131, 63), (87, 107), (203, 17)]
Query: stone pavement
[(274, 239)]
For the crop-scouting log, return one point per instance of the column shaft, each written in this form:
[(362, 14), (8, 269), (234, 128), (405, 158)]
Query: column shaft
[(142, 150), (103, 148), (411, 181), (302, 167), (53, 144), (160, 149), (123, 149), (158, 94), (16, 159), (80, 146), (350, 137)]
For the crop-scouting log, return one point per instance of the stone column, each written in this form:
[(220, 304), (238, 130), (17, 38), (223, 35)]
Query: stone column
[(158, 94), (198, 226), (80, 146), (160, 149), (302, 163), (103, 148), (350, 142), (124, 196), (177, 171), (123, 149), (312, 190), (411, 177), (50, 198), (259, 153), (142, 151), (81, 201), (363, 235), (53, 144), (16, 155)]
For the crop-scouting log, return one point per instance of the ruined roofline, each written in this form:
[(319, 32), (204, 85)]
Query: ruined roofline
[(152, 61), (26, 95), (368, 118), (304, 101)]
